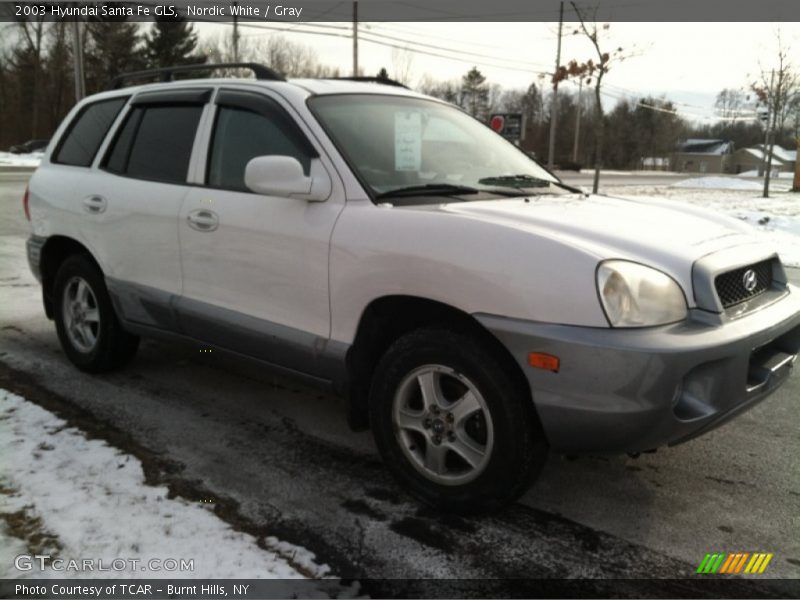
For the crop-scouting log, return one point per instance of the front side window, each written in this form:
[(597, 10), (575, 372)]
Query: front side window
[(397, 143), (241, 135), (82, 139), (155, 143)]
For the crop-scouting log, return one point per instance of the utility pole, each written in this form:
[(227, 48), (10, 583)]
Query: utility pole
[(577, 121), (554, 104), (235, 35), (77, 61), (355, 39)]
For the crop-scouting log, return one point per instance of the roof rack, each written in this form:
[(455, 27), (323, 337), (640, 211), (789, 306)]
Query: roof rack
[(168, 73), (383, 80)]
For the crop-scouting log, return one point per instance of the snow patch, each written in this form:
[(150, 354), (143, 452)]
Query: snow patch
[(776, 219), (718, 183), (8, 159), (93, 500)]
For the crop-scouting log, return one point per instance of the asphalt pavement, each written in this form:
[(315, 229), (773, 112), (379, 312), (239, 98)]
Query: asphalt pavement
[(279, 460)]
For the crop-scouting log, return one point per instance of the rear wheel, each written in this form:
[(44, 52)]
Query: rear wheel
[(88, 329), (452, 423)]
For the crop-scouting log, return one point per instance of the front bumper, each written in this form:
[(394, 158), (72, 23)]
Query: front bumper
[(631, 390)]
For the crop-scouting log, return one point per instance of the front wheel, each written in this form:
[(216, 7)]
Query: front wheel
[(88, 329), (452, 423)]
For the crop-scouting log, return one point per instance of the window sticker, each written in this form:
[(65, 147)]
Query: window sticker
[(407, 141)]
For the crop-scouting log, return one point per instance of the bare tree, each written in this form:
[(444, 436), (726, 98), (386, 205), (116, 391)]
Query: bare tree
[(29, 56), (402, 62), (729, 103), (292, 59), (593, 71), (777, 90), (449, 91)]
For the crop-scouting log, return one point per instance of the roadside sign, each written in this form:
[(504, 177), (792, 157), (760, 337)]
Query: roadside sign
[(509, 125)]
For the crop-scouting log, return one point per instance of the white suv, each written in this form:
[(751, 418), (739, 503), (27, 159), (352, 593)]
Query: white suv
[(386, 245)]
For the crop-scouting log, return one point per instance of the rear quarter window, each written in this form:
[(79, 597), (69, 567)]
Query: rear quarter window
[(79, 144)]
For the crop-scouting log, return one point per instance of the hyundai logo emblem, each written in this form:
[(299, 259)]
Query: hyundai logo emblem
[(749, 280)]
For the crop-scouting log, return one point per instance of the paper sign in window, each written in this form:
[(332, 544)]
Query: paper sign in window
[(407, 141)]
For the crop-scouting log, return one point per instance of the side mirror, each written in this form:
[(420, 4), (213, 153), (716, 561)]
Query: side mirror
[(283, 176)]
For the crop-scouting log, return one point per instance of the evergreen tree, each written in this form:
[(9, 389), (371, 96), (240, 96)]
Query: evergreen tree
[(171, 42), (475, 94), (112, 49), (383, 73)]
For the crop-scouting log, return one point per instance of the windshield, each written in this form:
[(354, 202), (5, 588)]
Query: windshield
[(403, 146)]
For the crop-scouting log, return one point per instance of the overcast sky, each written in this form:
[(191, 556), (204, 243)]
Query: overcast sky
[(688, 62)]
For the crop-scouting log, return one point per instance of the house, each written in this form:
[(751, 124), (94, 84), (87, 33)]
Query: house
[(751, 159), (702, 156)]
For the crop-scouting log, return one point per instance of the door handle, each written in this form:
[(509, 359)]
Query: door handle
[(203, 220), (94, 204)]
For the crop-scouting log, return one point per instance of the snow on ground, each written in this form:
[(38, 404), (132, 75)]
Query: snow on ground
[(776, 218), (717, 183), (7, 159), (72, 497), (775, 174)]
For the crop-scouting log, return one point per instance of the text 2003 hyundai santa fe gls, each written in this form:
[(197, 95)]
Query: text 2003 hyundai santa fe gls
[(388, 245)]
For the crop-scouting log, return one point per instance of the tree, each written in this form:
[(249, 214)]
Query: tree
[(383, 73), (475, 94), (112, 48), (26, 60), (449, 91), (402, 63), (592, 72), (171, 42), (729, 103), (777, 89), (292, 59)]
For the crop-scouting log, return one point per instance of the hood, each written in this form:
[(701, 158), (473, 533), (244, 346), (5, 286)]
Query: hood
[(664, 234)]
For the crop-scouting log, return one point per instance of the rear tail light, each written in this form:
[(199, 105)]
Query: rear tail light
[(25, 203)]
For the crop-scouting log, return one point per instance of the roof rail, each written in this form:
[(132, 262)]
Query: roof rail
[(383, 80), (168, 73)]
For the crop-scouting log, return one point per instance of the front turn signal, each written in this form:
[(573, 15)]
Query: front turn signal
[(540, 360)]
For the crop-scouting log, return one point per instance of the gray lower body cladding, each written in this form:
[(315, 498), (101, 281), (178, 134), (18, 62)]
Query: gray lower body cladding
[(630, 390), (150, 312)]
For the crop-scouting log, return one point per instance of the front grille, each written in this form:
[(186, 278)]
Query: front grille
[(731, 285)]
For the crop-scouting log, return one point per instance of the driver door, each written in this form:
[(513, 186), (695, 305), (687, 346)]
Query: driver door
[(255, 267)]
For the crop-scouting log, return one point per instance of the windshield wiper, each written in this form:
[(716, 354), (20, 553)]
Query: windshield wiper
[(521, 182), (429, 189), (516, 181)]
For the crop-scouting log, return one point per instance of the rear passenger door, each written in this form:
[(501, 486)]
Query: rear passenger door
[(135, 201), (256, 269)]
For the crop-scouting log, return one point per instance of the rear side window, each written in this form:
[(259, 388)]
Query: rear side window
[(85, 133), (155, 142)]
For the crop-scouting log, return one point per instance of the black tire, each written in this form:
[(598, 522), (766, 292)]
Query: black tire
[(113, 346), (519, 448)]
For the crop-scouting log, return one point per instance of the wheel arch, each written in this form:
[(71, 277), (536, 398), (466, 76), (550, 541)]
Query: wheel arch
[(387, 318), (55, 251)]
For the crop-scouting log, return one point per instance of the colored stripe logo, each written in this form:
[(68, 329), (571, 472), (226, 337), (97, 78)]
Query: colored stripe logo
[(731, 563)]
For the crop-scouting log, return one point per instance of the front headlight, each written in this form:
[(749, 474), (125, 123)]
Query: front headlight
[(637, 296)]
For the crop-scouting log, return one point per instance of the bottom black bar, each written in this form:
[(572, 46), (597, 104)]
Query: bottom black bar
[(255, 589)]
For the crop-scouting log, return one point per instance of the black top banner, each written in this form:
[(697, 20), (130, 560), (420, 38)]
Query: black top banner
[(404, 10)]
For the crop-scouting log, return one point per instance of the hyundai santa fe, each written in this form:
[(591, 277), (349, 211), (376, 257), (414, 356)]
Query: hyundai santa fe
[(385, 245)]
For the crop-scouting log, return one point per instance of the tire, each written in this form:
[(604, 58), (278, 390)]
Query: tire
[(88, 328), (482, 461)]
